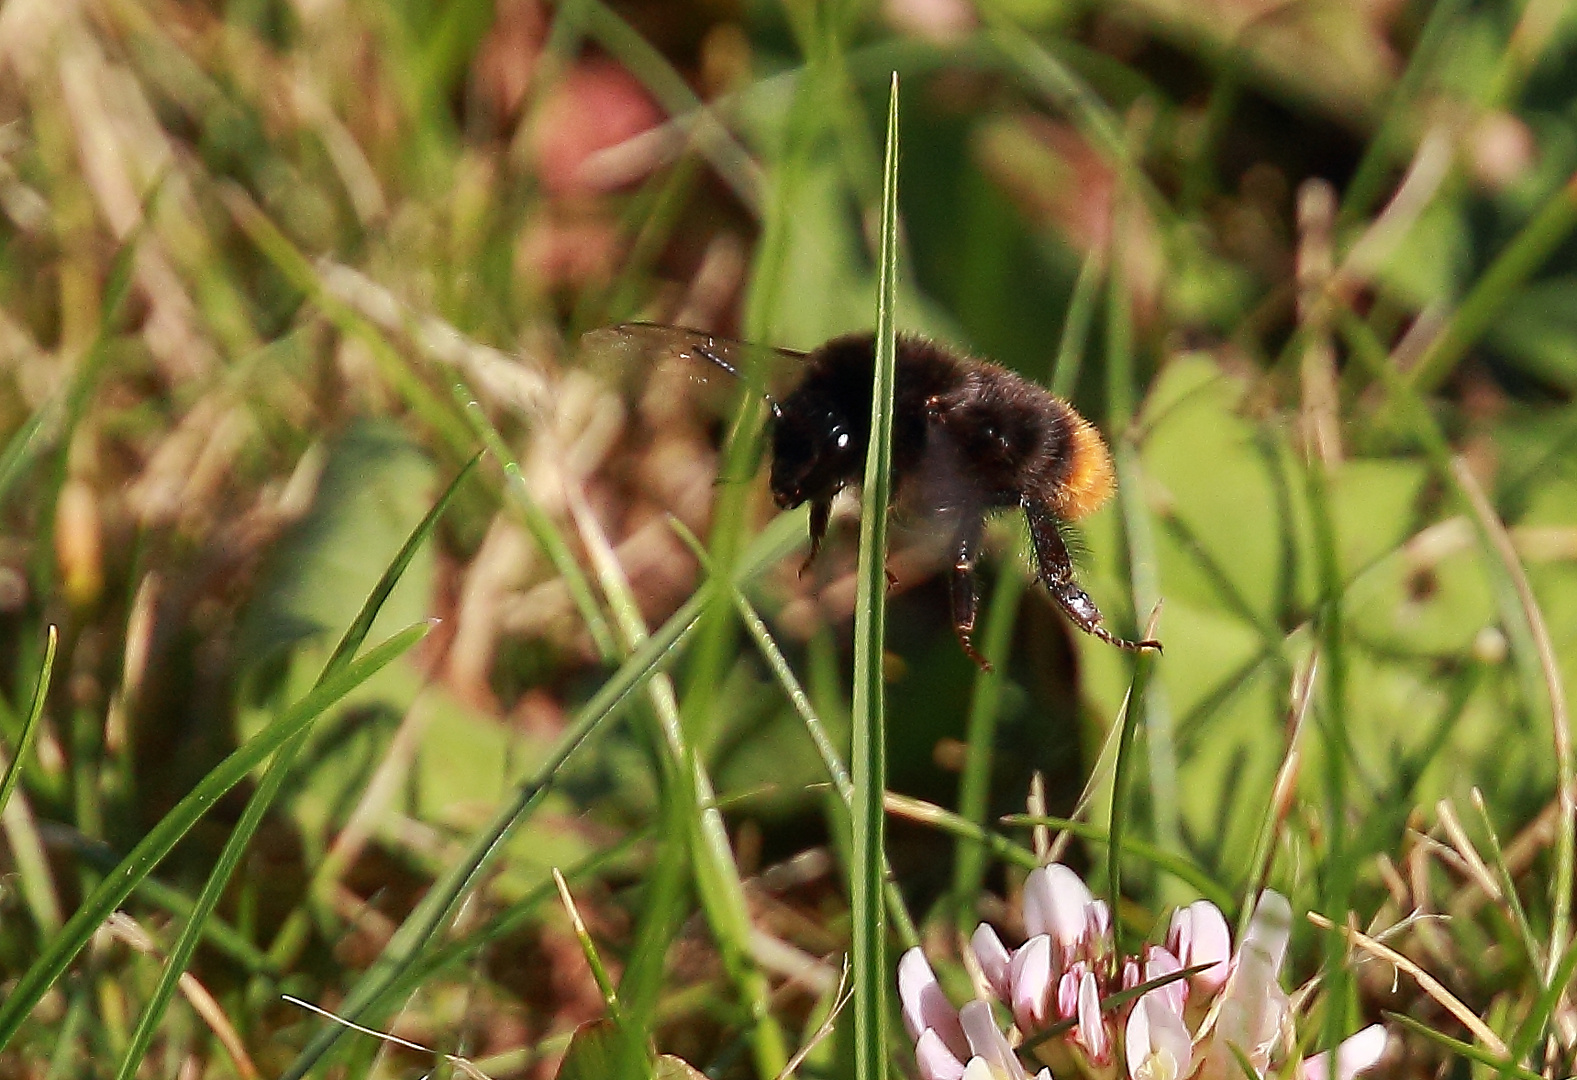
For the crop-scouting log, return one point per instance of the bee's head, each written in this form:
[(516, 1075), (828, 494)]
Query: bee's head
[(815, 452)]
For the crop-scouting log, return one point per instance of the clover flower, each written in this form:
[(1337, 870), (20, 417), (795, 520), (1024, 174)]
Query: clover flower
[(1187, 1029)]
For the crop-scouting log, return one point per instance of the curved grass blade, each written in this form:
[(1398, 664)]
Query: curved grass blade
[(544, 530), (658, 653), (436, 907), (98, 906), (1467, 1050), (267, 790), (1518, 261), (1167, 862), (692, 799), (35, 712), (1143, 669), (985, 702), (837, 771), (867, 760)]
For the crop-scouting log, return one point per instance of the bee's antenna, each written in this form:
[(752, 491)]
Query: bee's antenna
[(705, 352)]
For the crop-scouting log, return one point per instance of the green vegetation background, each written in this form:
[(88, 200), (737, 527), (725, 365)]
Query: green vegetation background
[(271, 274)]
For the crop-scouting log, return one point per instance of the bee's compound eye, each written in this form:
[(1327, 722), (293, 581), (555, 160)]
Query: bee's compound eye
[(843, 440)]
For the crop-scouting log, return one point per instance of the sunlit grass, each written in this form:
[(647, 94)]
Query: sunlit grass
[(241, 247)]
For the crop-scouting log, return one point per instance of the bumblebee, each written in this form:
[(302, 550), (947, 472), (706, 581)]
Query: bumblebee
[(974, 437)]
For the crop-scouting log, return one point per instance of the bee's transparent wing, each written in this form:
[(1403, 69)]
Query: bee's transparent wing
[(639, 346)]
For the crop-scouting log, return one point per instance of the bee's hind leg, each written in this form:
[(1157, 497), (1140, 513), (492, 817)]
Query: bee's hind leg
[(1056, 571), (965, 594)]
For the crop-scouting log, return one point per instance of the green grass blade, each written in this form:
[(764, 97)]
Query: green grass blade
[(837, 771), (974, 785), (1511, 269), (267, 790), (1532, 1026), (1167, 862), (1332, 713), (690, 793), (1133, 706), (98, 906), (1069, 362), (1379, 156), (35, 713), (867, 764), (445, 895), (1467, 1050)]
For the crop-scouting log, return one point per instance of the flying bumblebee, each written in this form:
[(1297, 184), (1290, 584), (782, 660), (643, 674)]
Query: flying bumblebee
[(975, 437)]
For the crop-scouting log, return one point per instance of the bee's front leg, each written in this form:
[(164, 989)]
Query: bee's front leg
[(820, 516)]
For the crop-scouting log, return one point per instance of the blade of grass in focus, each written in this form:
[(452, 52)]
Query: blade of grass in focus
[(35, 712), (1335, 885), (422, 926), (985, 702), (692, 805), (867, 761), (288, 940), (79, 930), (837, 772)]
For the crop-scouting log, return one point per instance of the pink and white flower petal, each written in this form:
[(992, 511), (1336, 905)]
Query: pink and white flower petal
[(1199, 935), (1031, 978), (994, 960), (1254, 1004), (1355, 1054), (1054, 903), (1091, 1033), (1156, 1042), (1097, 921), (925, 1006), (987, 1041), (935, 1060), (1068, 990), (1159, 963)]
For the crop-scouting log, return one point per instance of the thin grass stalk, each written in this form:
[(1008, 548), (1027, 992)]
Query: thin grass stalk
[(1508, 890), (980, 731), (1281, 792), (716, 874), (1560, 722), (1511, 269), (1369, 178), (153, 847), (867, 760), (262, 798), (1520, 614), (539, 524), (1144, 667), (449, 890), (1503, 1065), (1063, 378), (505, 923), (1532, 1026), (438, 905), (710, 138), (837, 771), (1336, 881), (35, 713)]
